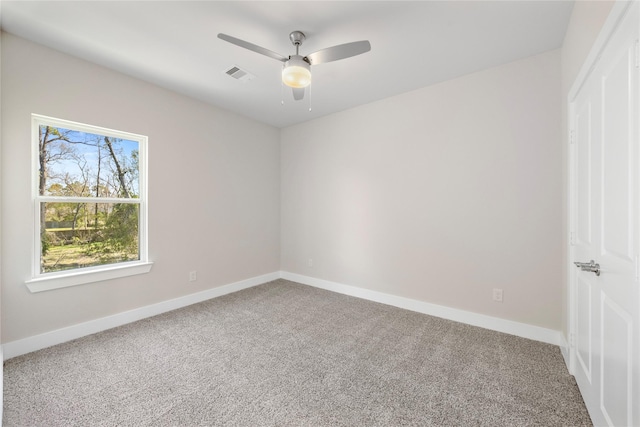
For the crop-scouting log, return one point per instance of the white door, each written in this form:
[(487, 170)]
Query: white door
[(605, 227)]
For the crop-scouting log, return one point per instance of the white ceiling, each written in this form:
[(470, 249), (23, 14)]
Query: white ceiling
[(174, 44)]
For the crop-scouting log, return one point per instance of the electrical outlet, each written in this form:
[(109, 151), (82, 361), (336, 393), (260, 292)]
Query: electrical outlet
[(310, 262), (497, 295), (193, 276)]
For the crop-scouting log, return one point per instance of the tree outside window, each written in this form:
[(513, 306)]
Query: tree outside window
[(90, 196)]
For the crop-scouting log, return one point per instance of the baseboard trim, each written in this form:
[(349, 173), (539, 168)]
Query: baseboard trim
[(523, 330), (59, 336), (566, 353)]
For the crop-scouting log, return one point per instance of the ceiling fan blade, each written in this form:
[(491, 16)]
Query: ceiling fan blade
[(253, 47), (341, 51), (298, 93)]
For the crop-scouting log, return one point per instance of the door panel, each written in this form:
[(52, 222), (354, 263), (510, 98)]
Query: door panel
[(584, 331), (583, 190), (616, 369), (605, 221), (616, 157), (586, 217)]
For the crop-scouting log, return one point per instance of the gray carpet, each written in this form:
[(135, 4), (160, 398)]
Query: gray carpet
[(291, 355)]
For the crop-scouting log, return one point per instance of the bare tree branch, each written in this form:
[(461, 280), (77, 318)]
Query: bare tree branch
[(120, 173)]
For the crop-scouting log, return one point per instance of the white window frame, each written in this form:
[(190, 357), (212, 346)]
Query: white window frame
[(79, 276)]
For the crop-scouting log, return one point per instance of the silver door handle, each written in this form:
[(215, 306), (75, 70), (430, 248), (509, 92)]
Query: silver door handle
[(589, 266)]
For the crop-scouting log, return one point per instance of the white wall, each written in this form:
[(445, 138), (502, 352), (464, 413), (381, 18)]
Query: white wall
[(213, 195), (587, 19), (438, 195)]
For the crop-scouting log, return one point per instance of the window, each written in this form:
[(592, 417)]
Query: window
[(90, 204)]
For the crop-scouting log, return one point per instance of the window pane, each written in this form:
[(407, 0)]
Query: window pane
[(78, 235), (80, 164)]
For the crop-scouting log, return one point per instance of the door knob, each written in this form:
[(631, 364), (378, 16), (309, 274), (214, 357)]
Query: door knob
[(589, 266)]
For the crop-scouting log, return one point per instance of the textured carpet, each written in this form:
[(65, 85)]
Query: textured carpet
[(291, 355)]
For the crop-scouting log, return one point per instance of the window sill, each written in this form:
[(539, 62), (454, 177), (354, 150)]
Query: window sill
[(84, 276)]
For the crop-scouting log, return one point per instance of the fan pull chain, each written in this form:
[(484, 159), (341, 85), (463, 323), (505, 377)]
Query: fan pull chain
[(282, 89), (309, 97)]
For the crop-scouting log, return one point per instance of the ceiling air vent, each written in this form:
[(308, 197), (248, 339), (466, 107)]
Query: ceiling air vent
[(239, 74)]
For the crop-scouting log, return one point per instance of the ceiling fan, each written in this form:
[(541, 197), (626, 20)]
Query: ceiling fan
[(296, 72)]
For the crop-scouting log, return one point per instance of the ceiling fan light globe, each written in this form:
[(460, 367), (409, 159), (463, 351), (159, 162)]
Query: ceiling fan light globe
[(296, 73), (295, 76)]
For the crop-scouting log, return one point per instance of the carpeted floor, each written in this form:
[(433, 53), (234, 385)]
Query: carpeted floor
[(291, 355)]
